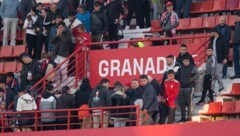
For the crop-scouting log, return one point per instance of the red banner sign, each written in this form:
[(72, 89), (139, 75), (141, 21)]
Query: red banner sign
[(126, 64)]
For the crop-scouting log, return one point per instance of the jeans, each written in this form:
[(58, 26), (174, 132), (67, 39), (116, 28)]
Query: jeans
[(236, 59), (224, 70), (10, 25), (31, 43), (185, 99), (218, 75), (207, 87), (183, 4)]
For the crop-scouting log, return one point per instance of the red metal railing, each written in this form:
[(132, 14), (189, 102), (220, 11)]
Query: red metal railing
[(77, 68), (71, 118)]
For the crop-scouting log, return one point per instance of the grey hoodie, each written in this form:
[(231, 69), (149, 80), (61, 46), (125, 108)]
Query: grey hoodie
[(9, 9)]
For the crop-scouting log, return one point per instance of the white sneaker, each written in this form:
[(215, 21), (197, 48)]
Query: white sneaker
[(127, 27), (137, 27)]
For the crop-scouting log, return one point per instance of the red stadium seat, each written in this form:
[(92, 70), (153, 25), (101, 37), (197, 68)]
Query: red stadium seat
[(199, 40), (228, 107), (17, 50), (6, 51), (213, 109), (209, 22), (235, 88), (196, 23), (155, 25), (10, 67), (206, 6), (231, 20), (185, 41), (237, 107), (1, 67), (219, 5), (195, 6), (19, 67), (231, 4), (183, 24)]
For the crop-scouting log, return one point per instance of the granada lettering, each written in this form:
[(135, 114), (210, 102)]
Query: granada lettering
[(130, 67)]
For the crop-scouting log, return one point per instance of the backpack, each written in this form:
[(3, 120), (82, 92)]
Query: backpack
[(83, 113)]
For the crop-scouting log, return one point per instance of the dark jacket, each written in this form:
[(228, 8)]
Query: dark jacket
[(64, 6), (150, 102), (113, 11), (134, 94), (180, 58), (100, 97), (35, 68), (10, 94), (63, 43), (82, 97), (39, 24), (222, 48), (236, 37), (14, 85), (66, 101), (119, 99), (225, 30), (187, 75), (99, 23), (25, 7), (157, 87)]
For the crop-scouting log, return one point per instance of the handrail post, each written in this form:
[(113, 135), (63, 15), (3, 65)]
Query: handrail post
[(101, 119), (137, 116), (77, 75), (35, 120), (44, 85), (69, 120), (3, 122)]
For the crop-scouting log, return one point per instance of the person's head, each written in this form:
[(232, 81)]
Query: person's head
[(44, 12), (186, 61), (222, 20), (81, 28), (39, 6), (65, 90), (25, 58), (3, 105), (59, 19), (61, 26), (183, 49), (170, 74), (2, 92), (105, 82), (49, 88), (169, 6), (2, 83), (97, 6), (143, 80), (118, 86), (33, 11), (71, 15), (134, 84), (170, 60), (214, 33), (21, 92), (10, 77), (209, 51), (81, 9), (85, 85), (237, 16), (53, 8)]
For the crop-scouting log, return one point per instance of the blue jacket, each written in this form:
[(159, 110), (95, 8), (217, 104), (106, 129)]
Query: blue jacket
[(85, 19), (9, 8), (53, 33)]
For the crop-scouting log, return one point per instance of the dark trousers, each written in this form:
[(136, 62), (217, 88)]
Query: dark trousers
[(49, 127), (146, 13), (185, 99), (39, 45), (224, 70), (135, 6), (207, 86), (163, 113), (171, 115), (97, 38), (113, 35), (31, 43), (183, 4), (236, 58)]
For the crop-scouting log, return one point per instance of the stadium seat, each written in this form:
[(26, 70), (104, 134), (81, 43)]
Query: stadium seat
[(195, 23), (10, 67), (213, 109), (228, 107), (219, 5), (195, 6), (185, 41), (235, 88), (6, 51), (206, 6), (19, 67), (155, 25), (17, 50), (237, 107), (183, 24), (231, 20), (209, 22), (231, 4), (1, 67), (199, 40)]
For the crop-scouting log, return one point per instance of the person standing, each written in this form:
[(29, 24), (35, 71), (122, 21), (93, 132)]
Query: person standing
[(64, 6), (8, 12), (169, 21), (184, 53), (84, 17), (220, 51), (208, 77), (225, 31), (82, 95), (114, 13), (184, 5), (171, 89), (150, 102), (99, 25), (146, 13), (100, 97), (187, 75), (236, 47), (25, 7)]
